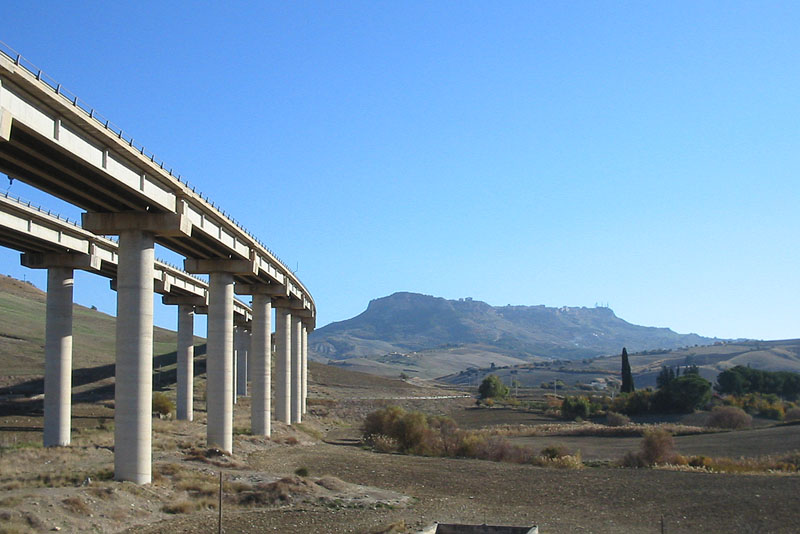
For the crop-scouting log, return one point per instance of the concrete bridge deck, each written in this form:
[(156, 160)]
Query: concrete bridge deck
[(57, 144)]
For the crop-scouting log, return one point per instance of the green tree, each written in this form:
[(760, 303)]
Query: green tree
[(627, 376), (689, 392), (492, 388), (574, 407), (666, 376)]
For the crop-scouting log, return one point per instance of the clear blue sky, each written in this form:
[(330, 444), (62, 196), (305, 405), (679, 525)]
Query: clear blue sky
[(561, 153)]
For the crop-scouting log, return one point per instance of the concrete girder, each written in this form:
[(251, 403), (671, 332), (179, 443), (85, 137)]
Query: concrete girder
[(272, 290), (219, 265), (178, 300), (5, 124), (64, 128)]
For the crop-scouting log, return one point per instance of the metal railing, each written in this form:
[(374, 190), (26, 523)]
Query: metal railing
[(109, 239), (90, 112)]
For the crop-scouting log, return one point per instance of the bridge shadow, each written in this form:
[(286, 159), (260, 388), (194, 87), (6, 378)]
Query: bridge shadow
[(162, 379)]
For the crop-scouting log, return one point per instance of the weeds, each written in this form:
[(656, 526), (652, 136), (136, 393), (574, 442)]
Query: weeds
[(180, 507), (213, 456), (162, 405), (658, 447), (729, 417), (617, 419), (592, 429), (393, 429), (76, 505)]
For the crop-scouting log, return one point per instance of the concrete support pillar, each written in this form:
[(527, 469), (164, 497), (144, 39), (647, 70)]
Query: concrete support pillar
[(219, 366), (233, 369), (249, 375), (297, 369), (134, 358), (304, 352), (283, 347), (58, 357), (185, 394), (261, 350), (242, 353)]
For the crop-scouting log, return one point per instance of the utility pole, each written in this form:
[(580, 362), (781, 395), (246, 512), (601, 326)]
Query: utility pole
[(219, 520)]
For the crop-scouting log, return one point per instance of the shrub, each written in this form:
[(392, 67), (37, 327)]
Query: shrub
[(179, 507), (575, 407), (162, 405), (555, 451), (792, 415), (617, 419), (469, 445), (499, 449), (700, 461), (381, 443), (658, 447), (301, 471), (772, 410), (638, 402), (76, 505), (384, 421), (729, 417), (633, 459), (412, 431), (492, 388)]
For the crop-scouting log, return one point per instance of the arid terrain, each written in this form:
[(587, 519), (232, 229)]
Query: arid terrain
[(347, 488), (317, 477)]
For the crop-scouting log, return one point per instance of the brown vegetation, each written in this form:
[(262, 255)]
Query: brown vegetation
[(394, 429), (729, 417)]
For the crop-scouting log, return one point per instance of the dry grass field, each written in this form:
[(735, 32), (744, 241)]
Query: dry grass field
[(350, 489), (315, 477)]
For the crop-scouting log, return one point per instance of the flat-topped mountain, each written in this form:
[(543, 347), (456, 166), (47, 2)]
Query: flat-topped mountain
[(405, 323)]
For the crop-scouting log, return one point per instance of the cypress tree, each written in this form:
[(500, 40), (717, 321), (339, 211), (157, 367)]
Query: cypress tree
[(627, 376)]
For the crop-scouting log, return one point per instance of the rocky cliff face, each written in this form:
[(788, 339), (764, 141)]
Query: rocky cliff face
[(408, 322)]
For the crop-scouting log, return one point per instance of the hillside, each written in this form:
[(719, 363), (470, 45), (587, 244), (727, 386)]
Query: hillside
[(434, 336), (22, 328), (781, 355)]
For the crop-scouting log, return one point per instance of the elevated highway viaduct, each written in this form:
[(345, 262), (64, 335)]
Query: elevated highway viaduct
[(52, 141), (48, 241)]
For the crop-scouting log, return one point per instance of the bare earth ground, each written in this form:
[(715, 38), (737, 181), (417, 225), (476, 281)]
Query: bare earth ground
[(349, 489), (761, 441)]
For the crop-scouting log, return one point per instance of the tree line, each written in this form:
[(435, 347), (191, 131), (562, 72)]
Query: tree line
[(742, 380)]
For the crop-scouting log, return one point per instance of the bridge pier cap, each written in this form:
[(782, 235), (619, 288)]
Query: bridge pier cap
[(164, 224)]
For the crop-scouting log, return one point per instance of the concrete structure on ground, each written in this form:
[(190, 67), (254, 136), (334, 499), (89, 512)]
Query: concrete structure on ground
[(59, 146), (445, 528)]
